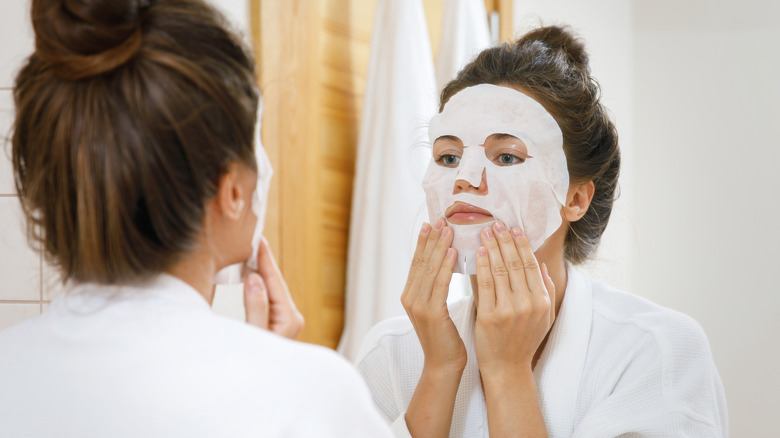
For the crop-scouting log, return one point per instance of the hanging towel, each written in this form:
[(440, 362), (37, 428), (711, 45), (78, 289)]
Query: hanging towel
[(388, 203), (464, 33)]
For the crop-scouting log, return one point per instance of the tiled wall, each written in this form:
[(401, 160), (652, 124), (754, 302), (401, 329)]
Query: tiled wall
[(23, 292), (27, 283)]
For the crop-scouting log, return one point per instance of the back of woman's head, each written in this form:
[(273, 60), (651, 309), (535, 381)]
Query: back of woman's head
[(127, 114), (551, 65)]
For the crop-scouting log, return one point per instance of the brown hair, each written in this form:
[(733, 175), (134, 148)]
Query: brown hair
[(551, 65), (127, 114)]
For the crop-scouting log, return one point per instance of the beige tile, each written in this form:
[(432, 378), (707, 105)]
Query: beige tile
[(6, 120), (20, 266), (12, 313)]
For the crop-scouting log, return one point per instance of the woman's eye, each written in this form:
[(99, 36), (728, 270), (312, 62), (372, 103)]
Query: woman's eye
[(448, 160), (509, 159)]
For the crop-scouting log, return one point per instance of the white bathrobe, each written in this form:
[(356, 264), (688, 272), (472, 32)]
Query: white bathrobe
[(153, 360), (614, 364)]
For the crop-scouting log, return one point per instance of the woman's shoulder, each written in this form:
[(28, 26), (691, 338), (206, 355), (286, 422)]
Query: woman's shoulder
[(386, 336), (629, 315)]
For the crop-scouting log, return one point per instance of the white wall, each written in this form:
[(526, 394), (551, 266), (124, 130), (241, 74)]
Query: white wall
[(21, 294), (605, 26), (707, 152), (694, 89)]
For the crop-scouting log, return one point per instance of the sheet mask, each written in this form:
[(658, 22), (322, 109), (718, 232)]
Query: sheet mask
[(528, 195), (235, 273)]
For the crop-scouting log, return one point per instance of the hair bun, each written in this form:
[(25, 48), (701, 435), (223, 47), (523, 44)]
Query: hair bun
[(562, 40), (82, 38)]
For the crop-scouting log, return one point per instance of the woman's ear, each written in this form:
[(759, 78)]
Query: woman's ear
[(229, 199), (578, 200)]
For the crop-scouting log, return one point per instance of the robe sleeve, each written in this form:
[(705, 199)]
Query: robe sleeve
[(667, 387), (376, 363)]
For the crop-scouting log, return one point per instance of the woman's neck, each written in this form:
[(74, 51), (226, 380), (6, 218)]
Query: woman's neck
[(197, 269)]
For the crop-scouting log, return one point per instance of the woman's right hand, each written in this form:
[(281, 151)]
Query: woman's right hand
[(267, 300), (425, 300)]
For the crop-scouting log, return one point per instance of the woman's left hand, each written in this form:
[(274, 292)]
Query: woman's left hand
[(516, 303), (267, 299)]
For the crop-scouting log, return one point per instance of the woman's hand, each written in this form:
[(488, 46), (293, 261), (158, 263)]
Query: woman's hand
[(267, 299), (516, 305), (425, 300), (425, 297), (516, 309)]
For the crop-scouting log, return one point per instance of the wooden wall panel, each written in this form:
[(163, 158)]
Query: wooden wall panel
[(313, 57)]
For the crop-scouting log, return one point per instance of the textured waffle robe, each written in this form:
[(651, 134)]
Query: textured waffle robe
[(614, 364), (154, 360)]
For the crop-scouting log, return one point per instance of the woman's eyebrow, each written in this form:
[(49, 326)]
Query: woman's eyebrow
[(450, 138), (501, 136)]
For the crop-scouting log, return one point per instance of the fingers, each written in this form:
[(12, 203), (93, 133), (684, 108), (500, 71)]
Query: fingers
[(441, 286), (435, 259), (256, 301), (511, 257), (276, 287), (550, 291), (485, 284), (497, 267), (417, 261), (266, 265), (530, 266), (432, 244)]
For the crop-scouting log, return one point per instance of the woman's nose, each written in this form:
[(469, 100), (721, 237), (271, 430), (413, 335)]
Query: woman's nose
[(463, 186)]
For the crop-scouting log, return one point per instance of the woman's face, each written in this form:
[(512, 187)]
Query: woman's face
[(497, 155)]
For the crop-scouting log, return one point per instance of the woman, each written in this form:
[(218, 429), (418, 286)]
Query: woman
[(522, 181), (133, 153)]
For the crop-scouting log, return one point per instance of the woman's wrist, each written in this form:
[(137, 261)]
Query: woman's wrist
[(505, 377), (430, 410), (442, 369), (443, 372)]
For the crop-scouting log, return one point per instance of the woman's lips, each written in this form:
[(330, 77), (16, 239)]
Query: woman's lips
[(461, 213)]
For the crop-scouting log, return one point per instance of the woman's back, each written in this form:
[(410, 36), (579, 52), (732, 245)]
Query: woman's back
[(154, 360)]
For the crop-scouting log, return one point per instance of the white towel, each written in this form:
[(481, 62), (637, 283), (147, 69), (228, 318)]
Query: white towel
[(464, 33), (388, 201)]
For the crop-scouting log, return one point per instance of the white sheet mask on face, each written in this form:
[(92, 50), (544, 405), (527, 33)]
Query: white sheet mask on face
[(234, 274), (528, 195)]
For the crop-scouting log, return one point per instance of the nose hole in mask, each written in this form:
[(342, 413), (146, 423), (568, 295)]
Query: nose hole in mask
[(464, 186)]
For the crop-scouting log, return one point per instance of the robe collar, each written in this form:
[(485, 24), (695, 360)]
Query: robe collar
[(557, 373)]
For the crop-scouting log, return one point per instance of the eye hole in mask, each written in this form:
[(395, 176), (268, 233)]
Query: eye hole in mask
[(500, 149)]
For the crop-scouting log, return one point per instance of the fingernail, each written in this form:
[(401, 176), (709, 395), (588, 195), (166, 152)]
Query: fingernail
[(488, 233), (438, 224), (517, 232), (446, 231), (426, 228), (500, 227), (481, 251), (450, 253), (254, 284)]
